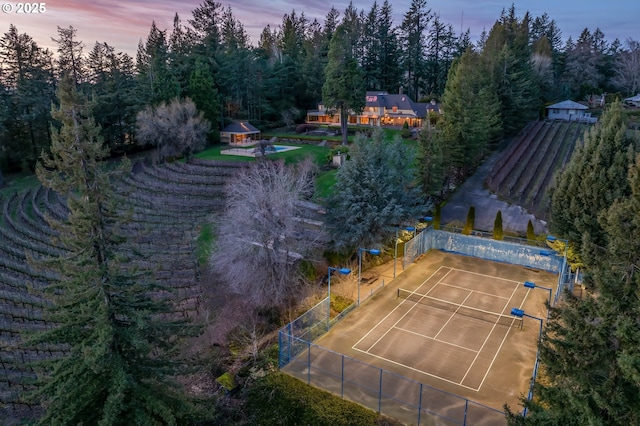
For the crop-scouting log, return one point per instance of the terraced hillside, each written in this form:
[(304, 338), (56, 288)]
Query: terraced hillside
[(524, 172), (169, 203)]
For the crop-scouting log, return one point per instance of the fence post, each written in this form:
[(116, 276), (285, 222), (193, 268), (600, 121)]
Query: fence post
[(290, 339), (309, 362), (342, 380), (380, 394), (466, 406), (420, 404)]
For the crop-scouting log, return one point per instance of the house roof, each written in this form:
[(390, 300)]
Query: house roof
[(567, 105), (635, 98), (402, 102), (240, 127)]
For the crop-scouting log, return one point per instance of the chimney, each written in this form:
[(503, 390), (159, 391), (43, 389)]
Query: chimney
[(400, 91)]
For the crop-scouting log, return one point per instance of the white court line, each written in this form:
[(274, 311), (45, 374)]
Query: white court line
[(394, 309), (405, 314), (502, 343), (415, 369), (515, 288), (475, 291), (394, 326), (453, 314), (484, 275), (434, 339)]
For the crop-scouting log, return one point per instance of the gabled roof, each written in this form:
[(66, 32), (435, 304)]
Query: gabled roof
[(635, 98), (242, 127), (567, 105), (400, 101)]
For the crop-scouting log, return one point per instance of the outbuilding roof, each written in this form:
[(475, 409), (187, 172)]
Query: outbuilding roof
[(240, 127), (567, 105)]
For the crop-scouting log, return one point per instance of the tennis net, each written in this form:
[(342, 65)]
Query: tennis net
[(458, 309)]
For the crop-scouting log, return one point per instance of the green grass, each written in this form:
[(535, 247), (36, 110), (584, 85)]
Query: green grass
[(204, 243), (324, 184), (278, 399), (213, 153), (318, 153)]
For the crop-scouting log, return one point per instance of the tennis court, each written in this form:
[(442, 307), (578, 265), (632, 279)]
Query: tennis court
[(446, 322), (460, 313)]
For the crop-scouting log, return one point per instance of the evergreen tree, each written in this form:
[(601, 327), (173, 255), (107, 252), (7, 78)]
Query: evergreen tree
[(117, 331), (28, 76), (441, 48), (156, 83), (531, 233), (590, 349), (507, 58), (431, 161), (374, 191), (498, 232), (70, 59), (471, 218), (471, 125), (594, 178), (390, 72), (413, 29), (371, 49), (111, 75), (437, 216), (204, 94), (581, 72), (344, 88), (181, 45)]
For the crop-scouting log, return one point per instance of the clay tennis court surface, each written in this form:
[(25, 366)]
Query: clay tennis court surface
[(451, 327)]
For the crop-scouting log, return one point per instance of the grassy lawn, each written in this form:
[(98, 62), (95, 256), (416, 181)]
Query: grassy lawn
[(318, 153), (204, 243), (324, 184)]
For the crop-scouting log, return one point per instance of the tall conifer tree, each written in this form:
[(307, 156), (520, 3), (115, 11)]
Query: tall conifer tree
[(344, 88), (116, 331), (593, 180)]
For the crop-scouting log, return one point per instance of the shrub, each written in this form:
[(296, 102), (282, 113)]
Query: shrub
[(342, 149), (405, 133), (340, 303), (304, 128), (437, 216), (471, 218), (531, 234), (498, 233), (278, 399)]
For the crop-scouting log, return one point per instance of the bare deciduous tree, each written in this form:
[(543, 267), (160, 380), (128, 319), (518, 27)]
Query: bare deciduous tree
[(263, 234), (289, 116), (175, 129), (627, 77)]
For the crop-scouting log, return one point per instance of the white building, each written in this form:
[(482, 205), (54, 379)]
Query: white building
[(569, 111)]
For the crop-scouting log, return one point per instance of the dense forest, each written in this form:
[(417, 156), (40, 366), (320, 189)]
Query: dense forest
[(209, 59), (118, 343)]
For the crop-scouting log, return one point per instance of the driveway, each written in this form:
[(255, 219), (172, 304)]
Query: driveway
[(473, 192)]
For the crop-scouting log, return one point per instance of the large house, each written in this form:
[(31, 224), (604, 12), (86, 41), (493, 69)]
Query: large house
[(381, 109)]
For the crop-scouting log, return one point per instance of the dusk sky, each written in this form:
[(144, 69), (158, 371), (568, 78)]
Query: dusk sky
[(123, 23)]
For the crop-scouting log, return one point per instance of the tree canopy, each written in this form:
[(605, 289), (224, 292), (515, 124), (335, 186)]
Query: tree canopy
[(375, 189), (118, 336), (343, 89)]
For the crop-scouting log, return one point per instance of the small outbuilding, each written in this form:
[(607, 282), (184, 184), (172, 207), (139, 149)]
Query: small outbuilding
[(569, 111), (634, 100), (240, 133)]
